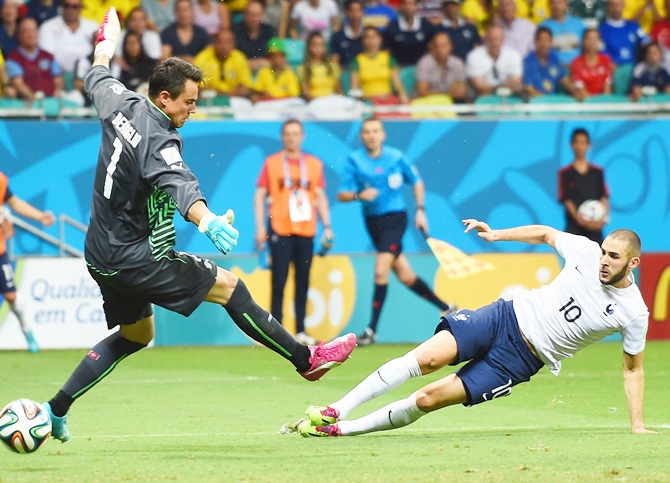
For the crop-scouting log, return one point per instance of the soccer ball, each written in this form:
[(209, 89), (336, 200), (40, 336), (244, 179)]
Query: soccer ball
[(25, 425), (592, 210)]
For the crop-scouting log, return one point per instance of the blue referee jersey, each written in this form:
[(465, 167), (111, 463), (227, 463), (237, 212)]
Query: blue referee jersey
[(388, 174)]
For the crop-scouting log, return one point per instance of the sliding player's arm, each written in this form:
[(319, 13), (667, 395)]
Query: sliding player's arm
[(532, 234)]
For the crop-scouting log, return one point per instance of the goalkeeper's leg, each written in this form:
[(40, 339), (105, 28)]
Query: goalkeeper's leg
[(232, 293)]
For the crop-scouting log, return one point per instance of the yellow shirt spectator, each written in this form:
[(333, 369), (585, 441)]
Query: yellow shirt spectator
[(96, 9), (647, 19), (374, 73), (277, 86), (226, 77), (323, 78)]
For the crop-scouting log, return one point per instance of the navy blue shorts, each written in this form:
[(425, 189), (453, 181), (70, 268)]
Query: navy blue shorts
[(7, 283), (179, 282), (491, 340), (386, 231)]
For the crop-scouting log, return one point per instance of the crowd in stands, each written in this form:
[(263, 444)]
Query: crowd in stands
[(381, 52)]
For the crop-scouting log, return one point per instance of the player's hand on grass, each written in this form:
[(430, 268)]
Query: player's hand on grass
[(220, 231), (483, 230), (108, 35)]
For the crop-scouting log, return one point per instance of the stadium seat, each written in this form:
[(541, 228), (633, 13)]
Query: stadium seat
[(407, 76), (345, 79), (621, 79), (389, 100), (295, 52), (433, 100), (496, 100)]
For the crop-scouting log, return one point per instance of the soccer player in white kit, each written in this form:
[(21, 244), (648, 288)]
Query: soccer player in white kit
[(507, 342)]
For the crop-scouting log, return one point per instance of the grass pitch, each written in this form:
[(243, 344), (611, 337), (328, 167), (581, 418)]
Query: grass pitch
[(214, 414)]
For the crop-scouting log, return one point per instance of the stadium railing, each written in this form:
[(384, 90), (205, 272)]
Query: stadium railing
[(64, 249), (646, 107)]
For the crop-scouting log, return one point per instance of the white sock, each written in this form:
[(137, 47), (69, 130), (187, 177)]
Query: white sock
[(387, 377), (18, 312), (393, 416)]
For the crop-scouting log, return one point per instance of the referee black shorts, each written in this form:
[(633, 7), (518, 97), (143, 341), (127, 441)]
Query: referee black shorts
[(386, 231), (179, 282)]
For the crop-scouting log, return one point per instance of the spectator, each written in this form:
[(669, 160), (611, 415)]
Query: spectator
[(137, 22), (272, 13), (319, 76), (225, 68), (407, 36), (464, 36), (566, 29), (68, 36), (252, 35), (591, 72), (314, 16), (137, 64), (31, 69), (660, 33), (519, 32), (347, 43), (9, 22), (6, 89), (377, 14), (160, 13), (440, 72), (211, 15), (494, 65), (277, 80), (645, 12), (374, 71), (292, 184), (622, 38), (184, 39), (95, 10), (478, 12), (543, 72), (581, 181), (431, 10), (42, 10), (591, 12), (650, 72)]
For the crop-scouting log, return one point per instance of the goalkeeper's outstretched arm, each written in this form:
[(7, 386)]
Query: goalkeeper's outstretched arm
[(108, 36)]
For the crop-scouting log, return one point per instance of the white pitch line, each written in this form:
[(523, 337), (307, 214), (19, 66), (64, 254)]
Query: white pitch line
[(470, 429)]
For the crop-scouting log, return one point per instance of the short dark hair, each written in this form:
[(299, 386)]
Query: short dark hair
[(580, 131), (631, 238), (371, 119), (171, 76), (291, 121), (543, 30), (349, 3)]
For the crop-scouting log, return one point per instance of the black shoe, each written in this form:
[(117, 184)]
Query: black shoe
[(366, 338)]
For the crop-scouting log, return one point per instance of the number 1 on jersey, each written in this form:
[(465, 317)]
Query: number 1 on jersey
[(111, 167)]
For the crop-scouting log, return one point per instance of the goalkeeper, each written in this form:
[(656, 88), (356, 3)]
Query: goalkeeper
[(140, 181)]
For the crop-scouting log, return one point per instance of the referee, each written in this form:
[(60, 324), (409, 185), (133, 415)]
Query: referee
[(140, 181), (375, 176)]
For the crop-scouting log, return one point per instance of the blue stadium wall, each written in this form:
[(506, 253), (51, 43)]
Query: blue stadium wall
[(504, 172)]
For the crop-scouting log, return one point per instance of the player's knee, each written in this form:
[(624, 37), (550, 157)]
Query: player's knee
[(426, 400), (10, 297), (427, 362), (407, 277)]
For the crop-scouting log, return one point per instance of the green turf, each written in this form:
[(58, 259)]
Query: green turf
[(214, 414)]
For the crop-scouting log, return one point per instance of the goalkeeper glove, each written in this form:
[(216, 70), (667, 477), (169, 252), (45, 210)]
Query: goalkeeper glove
[(219, 230), (108, 35)]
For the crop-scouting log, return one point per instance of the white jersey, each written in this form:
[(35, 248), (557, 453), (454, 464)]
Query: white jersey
[(576, 310)]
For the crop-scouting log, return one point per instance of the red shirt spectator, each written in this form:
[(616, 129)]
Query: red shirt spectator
[(592, 77)]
